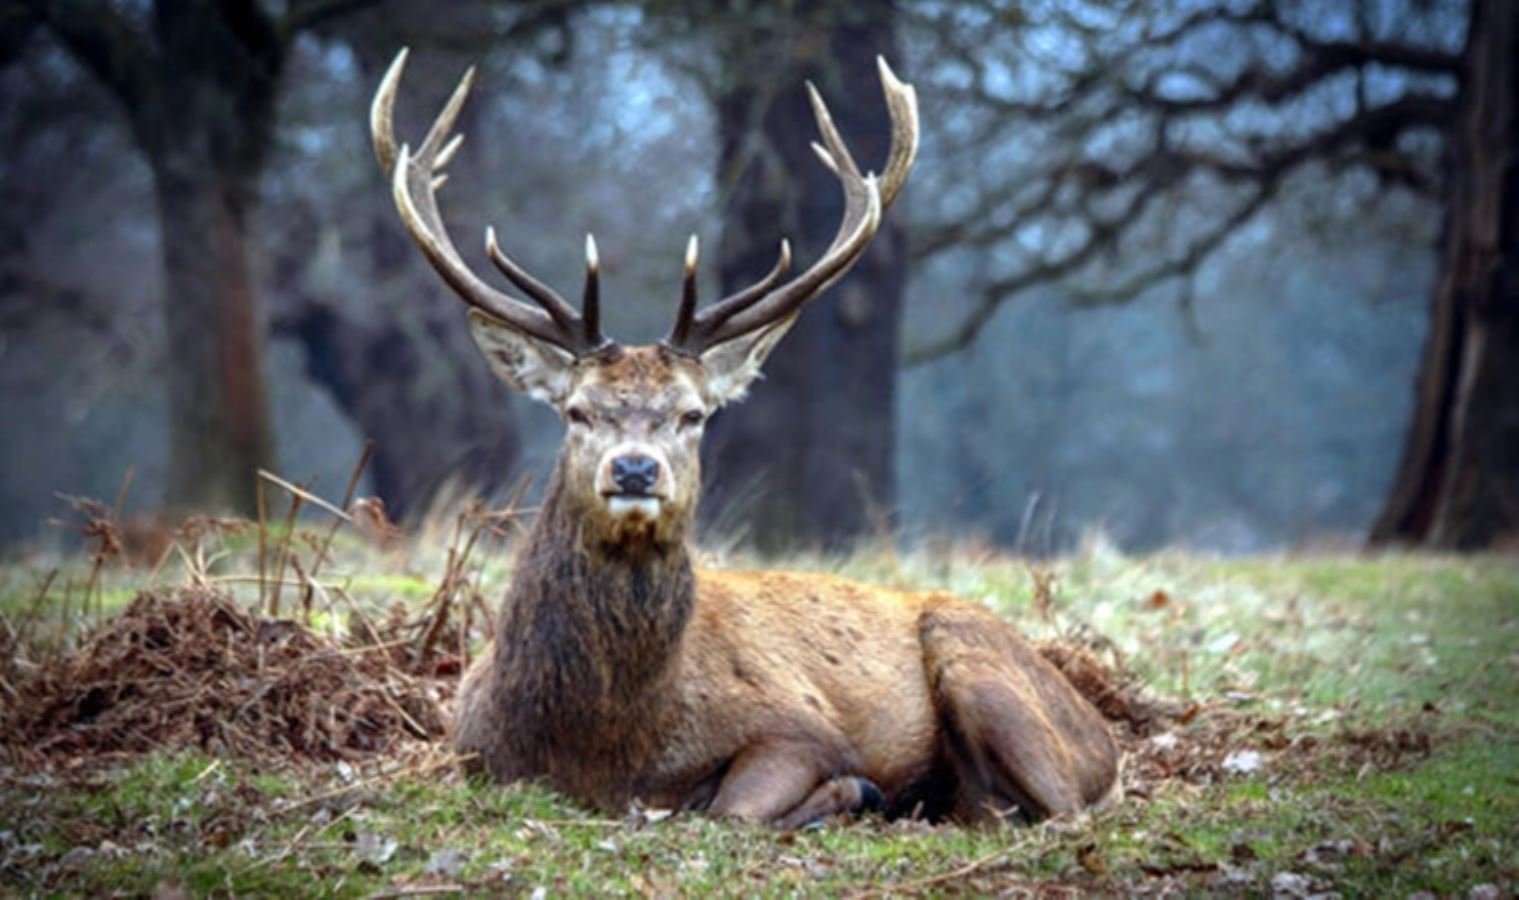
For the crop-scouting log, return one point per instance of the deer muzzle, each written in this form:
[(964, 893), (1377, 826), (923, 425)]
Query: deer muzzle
[(634, 480)]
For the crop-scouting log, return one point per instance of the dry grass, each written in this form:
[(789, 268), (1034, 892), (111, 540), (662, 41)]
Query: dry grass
[(192, 669)]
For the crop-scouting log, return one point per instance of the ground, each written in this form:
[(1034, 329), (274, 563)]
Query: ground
[(1342, 723)]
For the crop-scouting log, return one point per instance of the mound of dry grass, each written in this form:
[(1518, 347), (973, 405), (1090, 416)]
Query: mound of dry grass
[(192, 668), (1163, 739), (1119, 695)]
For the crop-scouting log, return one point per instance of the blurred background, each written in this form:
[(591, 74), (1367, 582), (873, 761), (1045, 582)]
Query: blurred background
[(1230, 275)]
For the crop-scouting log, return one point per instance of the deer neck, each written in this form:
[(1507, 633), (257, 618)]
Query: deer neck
[(590, 631)]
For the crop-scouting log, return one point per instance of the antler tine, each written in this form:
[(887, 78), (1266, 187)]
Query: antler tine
[(715, 315), (440, 252), (902, 106), (865, 198), (840, 160), (685, 316), (556, 306), (590, 304), (437, 136), (415, 179), (448, 151), (863, 213), (382, 125)]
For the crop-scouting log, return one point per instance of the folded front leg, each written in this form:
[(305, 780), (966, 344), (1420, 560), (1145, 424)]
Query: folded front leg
[(847, 794), (788, 784)]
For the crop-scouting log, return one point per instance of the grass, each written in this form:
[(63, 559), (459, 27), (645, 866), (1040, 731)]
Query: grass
[(1385, 692)]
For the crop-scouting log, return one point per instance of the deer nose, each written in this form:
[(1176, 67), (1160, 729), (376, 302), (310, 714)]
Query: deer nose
[(635, 473)]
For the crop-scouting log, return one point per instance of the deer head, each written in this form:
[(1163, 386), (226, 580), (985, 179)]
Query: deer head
[(629, 469)]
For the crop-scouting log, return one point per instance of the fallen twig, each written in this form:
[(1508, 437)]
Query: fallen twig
[(446, 762), (913, 887), (418, 890)]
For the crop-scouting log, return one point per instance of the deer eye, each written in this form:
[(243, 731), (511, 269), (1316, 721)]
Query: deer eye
[(692, 418), (577, 416)]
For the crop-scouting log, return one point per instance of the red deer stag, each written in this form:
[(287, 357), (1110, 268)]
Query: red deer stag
[(620, 672)]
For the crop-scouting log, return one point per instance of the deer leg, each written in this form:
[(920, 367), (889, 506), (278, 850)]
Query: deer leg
[(474, 734), (1021, 738), (789, 785), (845, 795)]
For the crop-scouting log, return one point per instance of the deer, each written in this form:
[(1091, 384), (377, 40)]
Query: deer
[(620, 673)]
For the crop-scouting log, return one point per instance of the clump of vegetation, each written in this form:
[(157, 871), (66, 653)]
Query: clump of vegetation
[(192, 669)]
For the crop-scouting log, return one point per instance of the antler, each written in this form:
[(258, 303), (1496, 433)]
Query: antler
[(865, 198), (415, 178)]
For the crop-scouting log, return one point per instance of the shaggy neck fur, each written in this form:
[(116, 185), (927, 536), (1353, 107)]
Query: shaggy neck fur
[(586, 641)]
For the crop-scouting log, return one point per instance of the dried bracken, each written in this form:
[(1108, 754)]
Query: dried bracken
[(1117, 694), (192, 668), (1200, 744)]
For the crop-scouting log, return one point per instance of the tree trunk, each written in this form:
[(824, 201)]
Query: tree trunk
[(205, 122), (219, 429), (198, 82), (399, 361), (807, 459), (431, 407), (1457, 486)]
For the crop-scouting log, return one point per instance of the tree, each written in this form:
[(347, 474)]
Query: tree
[(197, 84), (400, 367), (1153, 136), (809, 455), (1458, 484)]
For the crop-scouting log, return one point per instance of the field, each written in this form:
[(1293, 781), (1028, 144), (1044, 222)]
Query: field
[(1297, 724)]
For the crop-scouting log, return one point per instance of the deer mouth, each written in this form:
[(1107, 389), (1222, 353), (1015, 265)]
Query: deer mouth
[(634, 506)]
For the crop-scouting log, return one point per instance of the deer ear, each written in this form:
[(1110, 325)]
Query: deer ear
[(733, 366), (533, 367)]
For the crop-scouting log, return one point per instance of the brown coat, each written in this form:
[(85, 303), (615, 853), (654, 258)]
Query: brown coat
[(620, 677)]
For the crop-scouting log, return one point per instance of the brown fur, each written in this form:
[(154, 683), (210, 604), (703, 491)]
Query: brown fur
[(618, 672)]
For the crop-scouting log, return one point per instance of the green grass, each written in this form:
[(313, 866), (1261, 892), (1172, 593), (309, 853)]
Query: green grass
[(1327, 646)]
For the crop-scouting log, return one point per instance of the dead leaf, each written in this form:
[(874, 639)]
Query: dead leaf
[(376, 848), (1091, 860), (446, 863), (170, 890), (1291, 884)]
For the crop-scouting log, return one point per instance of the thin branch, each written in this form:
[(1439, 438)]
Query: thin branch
[(1190, 260), (1320, 62), (1102, 235), (1160, 171), (104, 41), (310, 14), (1094, 79)]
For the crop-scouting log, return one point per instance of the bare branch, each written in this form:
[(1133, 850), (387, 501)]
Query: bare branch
[(105, 43), (1191, 259), (1158, 172), (1094, 78), (1321, 61), (309, 14)]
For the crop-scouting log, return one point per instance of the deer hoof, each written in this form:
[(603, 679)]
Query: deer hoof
[(871, 799)]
